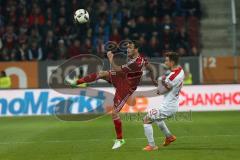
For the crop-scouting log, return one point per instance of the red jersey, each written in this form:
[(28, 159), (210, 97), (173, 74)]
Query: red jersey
[(127, 80), (133, 70)]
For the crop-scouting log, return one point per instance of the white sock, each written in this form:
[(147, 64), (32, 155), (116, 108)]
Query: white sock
[(161, 124), (148, 130)]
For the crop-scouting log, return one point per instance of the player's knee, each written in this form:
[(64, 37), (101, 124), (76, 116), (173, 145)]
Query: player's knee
[(103, 74), (146, 120), (115, 114)]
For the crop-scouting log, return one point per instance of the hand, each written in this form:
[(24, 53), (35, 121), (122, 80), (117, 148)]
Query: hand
[(167, 72), (110, 56), (163, 77)]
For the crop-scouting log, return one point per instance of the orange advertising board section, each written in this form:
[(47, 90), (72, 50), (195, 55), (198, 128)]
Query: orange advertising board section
[(220, 69), (23, 74)]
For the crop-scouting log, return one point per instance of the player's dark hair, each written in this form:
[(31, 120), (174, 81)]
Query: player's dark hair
[(173, 56), (135, 43)]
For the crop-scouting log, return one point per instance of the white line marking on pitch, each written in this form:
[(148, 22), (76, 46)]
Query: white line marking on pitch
[(142, 138)]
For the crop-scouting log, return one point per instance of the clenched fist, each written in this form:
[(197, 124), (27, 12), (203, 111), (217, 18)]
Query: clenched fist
[(110, 56)]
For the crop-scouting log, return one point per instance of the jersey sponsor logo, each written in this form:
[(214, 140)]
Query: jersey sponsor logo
[(134, 74)]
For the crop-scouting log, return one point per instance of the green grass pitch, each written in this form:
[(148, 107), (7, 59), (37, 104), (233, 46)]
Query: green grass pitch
[(207, 135)]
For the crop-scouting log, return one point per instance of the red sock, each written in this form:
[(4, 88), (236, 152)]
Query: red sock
[(118, 128), (89, 78)]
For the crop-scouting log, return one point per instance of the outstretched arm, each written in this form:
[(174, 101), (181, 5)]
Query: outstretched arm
[(162, 86), (150, 69), (114, 66)]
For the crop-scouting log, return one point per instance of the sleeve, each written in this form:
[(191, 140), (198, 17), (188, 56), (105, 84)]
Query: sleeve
[(145, 61), (161, 88), (130, 66), (170, 83)]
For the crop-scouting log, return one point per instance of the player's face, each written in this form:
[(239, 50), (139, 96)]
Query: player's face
[(130, 50), (168, 63)]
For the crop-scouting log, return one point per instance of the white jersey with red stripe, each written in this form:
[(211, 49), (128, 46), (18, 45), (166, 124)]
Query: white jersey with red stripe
[(174, 82)]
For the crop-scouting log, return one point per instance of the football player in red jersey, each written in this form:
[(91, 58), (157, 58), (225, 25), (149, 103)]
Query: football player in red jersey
[(125, 79)]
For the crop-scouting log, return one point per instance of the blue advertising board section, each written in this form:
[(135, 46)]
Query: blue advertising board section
[(27, 102)]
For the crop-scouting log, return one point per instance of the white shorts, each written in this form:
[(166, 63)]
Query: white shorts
[(156, 114)]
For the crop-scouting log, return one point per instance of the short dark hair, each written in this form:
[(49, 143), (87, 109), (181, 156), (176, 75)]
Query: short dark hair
[(135, 43), (3, 74), (173, 56)]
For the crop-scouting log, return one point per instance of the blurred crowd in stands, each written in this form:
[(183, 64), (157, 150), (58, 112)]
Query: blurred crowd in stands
[(45, 29)]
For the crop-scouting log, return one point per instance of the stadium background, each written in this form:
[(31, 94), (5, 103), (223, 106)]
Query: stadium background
[(36, 37)]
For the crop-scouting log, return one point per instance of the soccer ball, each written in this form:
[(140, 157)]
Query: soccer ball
[(81, 16)]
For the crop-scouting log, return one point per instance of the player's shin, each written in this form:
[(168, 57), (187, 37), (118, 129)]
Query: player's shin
[(117, 124), (161, 124), (148, 130)]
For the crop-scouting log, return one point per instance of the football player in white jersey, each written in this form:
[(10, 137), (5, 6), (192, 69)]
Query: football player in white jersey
[(169, 86)]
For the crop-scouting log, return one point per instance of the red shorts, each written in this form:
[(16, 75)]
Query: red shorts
[(123, 90)]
